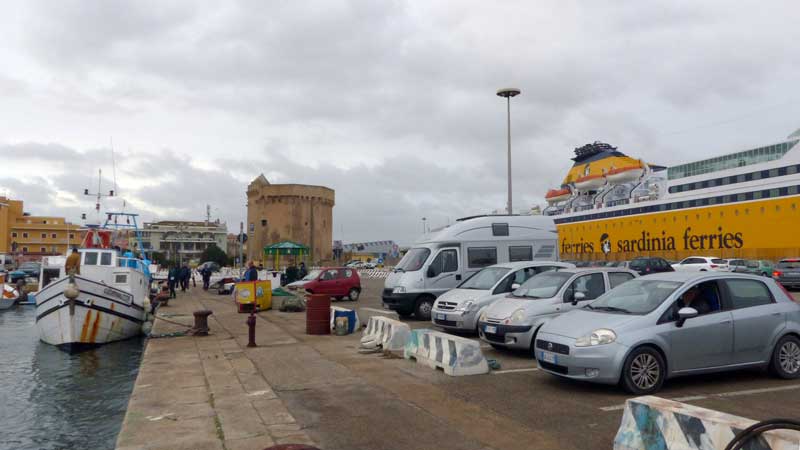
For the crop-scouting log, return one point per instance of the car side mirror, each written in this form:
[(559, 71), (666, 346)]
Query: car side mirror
[(431, 272), (684, 314), (515, 286), (577, 297)]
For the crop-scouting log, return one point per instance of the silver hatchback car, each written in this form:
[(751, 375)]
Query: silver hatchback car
[(672, 324)]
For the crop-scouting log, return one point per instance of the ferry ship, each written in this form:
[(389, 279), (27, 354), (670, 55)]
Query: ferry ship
[(741, 205)]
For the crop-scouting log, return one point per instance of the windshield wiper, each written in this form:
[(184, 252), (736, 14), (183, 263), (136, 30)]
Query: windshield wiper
[(611, 309), (399, 269)]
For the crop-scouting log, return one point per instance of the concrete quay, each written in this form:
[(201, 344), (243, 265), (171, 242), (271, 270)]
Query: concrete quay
[(205, 392)]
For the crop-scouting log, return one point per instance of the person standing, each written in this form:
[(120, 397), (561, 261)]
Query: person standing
[(206, 273), (184, 277), (252, 273), (303, 271), (73, 264), (172, 280)]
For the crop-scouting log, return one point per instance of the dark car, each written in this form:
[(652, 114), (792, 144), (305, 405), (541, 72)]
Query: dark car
[(646, 266), (787, 272)]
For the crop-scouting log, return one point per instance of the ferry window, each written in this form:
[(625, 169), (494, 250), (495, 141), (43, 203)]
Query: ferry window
[(90, 259), (756, 175), (773, 173), (792, 190), (121, 278), (781, 171), (748, 196), (764, 174), (740, 178), (520, 253), (499, 229), (774, 192), (740, 198), (481, 256), (105, 259), (791, 170)]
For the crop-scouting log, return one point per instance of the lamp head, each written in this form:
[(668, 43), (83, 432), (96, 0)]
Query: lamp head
[(508, 92)]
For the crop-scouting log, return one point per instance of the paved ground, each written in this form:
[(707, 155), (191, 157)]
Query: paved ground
[(346, 401)]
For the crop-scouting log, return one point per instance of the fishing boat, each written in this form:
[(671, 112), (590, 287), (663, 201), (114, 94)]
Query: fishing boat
[(744, 204), (107, 301)]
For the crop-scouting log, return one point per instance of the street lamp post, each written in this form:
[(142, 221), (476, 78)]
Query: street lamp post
[(424, 230), (508, 93)]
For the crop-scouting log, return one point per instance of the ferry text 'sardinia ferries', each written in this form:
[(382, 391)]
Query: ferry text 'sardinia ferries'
[(744, 204)]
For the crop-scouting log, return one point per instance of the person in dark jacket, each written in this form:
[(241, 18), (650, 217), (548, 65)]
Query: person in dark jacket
[(206, 273), (172, 280), (303, 271), (252, 273), (184, 278)]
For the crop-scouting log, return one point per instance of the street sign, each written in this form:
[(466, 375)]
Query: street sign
[(242, 238)]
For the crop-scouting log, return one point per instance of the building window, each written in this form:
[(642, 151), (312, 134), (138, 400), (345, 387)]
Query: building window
[(44, 235), (42, 250), (24, 249), (53, 235), (72, 235), (24, 235), (45, 222), (14, 234), (263, 222)]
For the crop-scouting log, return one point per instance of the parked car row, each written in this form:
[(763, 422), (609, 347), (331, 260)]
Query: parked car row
[(610, 325)]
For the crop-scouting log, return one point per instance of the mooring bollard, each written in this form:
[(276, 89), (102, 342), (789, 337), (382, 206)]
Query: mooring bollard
[(201, 322), (251, 330)]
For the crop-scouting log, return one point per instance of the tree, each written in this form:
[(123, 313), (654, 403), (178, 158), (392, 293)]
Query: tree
[(216, 254)]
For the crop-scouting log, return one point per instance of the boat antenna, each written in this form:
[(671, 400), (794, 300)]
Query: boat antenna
[(113, 164)]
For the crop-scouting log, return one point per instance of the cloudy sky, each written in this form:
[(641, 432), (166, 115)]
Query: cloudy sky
[(392, 104)]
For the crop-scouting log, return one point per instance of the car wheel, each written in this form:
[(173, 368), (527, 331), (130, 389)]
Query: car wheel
[(786, 358), (404, 314), (643, 372), (353, 294), (424, 307), (497, 346)]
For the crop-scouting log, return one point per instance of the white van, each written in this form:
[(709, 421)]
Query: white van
[(442, 260), (6, 262)]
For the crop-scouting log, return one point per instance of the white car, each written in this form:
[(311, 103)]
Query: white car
[(702, 264), (459, 308)]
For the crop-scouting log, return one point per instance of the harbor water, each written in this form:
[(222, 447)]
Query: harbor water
[(52, 400)]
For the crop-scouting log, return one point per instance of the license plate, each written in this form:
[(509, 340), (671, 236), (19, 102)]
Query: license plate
[(548, 357), (441, 316), (490, 329)]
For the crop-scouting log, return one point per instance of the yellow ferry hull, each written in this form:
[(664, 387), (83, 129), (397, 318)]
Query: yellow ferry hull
[(759, 229)]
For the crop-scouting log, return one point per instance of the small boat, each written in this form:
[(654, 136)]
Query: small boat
[(589, 182), (9, 298), (107, 302), (624, 174), (557, 195)]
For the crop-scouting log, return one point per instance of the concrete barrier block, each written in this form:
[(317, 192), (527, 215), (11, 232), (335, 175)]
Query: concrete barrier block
[(364, 314), (455, 355), (654, 422), (385, 334)]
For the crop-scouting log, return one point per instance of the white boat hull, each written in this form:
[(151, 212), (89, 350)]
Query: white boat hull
[(100, 314)]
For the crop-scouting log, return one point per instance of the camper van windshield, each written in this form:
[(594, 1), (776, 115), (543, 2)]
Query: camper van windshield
[(413, 260)]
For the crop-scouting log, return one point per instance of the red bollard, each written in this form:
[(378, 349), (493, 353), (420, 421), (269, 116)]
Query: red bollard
[(251, 331)]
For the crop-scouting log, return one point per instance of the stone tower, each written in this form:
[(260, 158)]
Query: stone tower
[(289, 212)]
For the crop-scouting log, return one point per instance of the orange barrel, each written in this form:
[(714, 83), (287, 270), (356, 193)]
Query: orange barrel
[(318, 314)]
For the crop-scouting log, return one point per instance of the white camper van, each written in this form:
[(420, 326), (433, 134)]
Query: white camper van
[(443, 259)]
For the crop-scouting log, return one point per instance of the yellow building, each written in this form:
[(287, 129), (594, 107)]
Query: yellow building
[(34, 235)]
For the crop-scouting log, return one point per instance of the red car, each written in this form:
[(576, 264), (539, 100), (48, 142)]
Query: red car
[(338, 282)]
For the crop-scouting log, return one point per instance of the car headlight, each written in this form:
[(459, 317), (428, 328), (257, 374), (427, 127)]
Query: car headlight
[(482, 318), (399, 290), (596, 337), (518, 316)]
